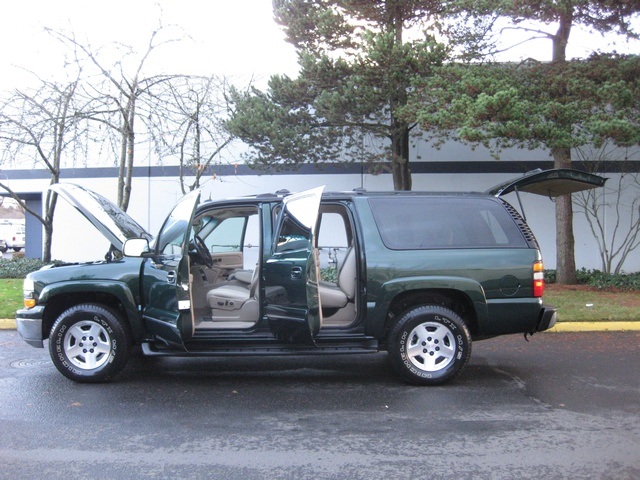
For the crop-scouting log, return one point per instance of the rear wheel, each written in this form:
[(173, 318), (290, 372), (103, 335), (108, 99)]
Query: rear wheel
[(89, 343), (429, 345)]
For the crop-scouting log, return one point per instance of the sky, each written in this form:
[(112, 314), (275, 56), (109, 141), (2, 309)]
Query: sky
[(225, 37), (231, 38)]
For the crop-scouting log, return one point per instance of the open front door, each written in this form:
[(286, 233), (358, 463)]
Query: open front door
[(166, 286), (292, 303)]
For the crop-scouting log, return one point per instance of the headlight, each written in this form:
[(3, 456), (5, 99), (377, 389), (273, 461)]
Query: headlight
[(28, 293)]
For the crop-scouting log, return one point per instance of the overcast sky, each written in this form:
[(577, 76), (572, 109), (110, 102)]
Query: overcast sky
[(224, 37)]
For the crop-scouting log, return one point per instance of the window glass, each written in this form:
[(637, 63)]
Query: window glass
[(227, 235), (231, 230), (408, 223), (332, 242), (174, 229), (293, 236)]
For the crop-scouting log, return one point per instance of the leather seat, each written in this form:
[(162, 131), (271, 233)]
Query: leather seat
[(337, 295), (236, 299)]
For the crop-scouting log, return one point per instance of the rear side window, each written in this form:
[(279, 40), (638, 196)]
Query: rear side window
[(415, 223)]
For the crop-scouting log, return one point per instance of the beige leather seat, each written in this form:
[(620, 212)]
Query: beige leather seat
[(337, 295), (235, 301)]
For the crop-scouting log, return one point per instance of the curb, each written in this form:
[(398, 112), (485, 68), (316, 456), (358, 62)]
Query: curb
[(7, 324), (561, 327), (595, 327)]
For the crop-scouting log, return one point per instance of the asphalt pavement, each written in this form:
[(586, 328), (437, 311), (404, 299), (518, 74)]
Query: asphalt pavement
[(561, 406)]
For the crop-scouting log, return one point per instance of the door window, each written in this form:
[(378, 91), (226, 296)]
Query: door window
[(232, 230), (173, 232)]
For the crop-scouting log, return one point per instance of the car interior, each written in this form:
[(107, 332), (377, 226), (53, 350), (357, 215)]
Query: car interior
[(226, 289)]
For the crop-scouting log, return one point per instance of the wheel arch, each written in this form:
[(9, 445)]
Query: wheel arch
[(463, 296), (118, 297), (454, 300)]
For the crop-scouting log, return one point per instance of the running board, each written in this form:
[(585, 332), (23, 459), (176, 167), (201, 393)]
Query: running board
[(193, 349)]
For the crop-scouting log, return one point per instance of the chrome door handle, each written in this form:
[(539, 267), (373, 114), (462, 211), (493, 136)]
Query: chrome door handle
[(171, 277), (296, 273)]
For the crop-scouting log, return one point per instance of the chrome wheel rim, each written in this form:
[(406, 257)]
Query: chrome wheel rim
[(431, 347), (87, 345)]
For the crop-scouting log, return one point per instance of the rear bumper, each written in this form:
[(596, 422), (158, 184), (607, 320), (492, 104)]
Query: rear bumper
[(29, 326), (547, 318)]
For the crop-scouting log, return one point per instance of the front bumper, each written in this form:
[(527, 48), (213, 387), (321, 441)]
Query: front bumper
[(547, 318), (29, 325)]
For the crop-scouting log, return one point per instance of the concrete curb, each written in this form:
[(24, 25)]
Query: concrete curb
[(595, 327), (560, 327), (7, 324)]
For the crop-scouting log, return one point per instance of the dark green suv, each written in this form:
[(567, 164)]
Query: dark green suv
[(419, 275)]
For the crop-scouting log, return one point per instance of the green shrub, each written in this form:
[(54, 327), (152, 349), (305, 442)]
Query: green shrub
[(329, 274), (598, 279), (19, 267)]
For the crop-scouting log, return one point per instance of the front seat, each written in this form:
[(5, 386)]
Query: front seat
[(236, 300), (337, 295)]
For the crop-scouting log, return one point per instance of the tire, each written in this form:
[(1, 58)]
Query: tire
[(90, 343), (429, 345)]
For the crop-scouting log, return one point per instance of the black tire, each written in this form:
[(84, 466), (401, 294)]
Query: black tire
[(90, 343), (429, 345)]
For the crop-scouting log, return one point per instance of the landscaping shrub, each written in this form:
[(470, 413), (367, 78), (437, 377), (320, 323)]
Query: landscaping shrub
[(19, 267), (598, 279)]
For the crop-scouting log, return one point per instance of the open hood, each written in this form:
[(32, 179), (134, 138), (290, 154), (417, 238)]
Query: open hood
[(110, 220), (550, 183)]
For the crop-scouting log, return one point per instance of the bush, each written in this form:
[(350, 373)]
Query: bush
[(19, 267), (329, 274), (598, 279)]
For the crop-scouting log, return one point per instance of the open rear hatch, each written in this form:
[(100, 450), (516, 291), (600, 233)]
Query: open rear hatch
[(549, 183)]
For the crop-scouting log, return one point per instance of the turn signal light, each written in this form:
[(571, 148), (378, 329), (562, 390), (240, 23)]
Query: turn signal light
[(538, 279), (29, 302)]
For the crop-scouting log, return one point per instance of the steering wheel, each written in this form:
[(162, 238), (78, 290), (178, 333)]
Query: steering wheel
[(203, 251)]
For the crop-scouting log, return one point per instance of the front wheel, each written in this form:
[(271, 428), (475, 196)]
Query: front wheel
[(89, 343), (429, 345)]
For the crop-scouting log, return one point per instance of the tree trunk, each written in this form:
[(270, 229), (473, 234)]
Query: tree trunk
[(399, 130), (130, 157), (400, 151), (565, 243)]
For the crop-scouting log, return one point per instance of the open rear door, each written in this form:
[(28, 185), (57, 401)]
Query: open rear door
[(550, 183), (292, 303)]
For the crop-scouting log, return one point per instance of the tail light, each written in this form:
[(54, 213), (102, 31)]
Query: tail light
[(538, 279)]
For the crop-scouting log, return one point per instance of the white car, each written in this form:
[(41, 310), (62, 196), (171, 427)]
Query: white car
[(13, 235)]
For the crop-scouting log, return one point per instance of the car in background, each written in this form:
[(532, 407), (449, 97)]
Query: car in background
[(13, 236)]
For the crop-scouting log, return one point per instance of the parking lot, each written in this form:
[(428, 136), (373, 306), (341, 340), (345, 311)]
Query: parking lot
[(561, 406)]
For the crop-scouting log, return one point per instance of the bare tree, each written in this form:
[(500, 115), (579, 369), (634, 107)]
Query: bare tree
[(39, 126), (612, 212), (118, 101), (188, 125)]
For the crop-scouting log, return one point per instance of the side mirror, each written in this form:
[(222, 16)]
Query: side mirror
[(135, 247)]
